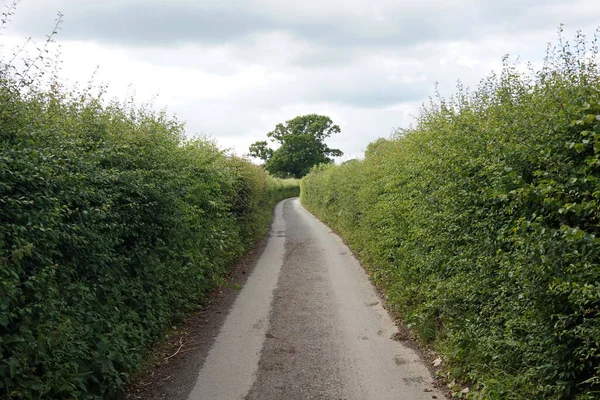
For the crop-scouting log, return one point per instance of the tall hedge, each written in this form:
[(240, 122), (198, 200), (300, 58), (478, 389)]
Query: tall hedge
[(482, 224), (112, 226)]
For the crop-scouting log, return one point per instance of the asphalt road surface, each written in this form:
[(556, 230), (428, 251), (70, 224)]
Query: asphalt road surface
[(308, 324)]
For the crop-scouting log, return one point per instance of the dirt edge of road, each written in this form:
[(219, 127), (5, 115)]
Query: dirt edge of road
[(175, 361)]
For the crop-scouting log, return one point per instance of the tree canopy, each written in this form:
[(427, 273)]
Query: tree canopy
[(302, 146)]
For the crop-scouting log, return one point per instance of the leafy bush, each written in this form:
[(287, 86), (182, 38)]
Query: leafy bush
[(482, 225), (113, 225)]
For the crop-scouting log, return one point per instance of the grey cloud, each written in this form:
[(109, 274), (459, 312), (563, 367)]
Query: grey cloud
[(381, 93), (357, 86), (321, 56), (335, 57), (167, 23), (175, 24), (154, 25)]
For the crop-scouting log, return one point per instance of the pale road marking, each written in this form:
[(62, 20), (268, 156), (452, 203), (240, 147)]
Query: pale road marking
[(230, 367)]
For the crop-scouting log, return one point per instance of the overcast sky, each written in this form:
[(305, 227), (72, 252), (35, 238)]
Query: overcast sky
[(233, 69)]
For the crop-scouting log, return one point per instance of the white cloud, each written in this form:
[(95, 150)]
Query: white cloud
[(233, 69)]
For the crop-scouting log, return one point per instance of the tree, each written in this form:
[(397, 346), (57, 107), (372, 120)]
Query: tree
[(302, 146)]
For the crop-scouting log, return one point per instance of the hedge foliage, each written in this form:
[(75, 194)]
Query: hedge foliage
[(112, 226), (482, 224)]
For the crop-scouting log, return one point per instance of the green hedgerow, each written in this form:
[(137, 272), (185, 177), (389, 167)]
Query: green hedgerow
[(113, 225), (482, 225)]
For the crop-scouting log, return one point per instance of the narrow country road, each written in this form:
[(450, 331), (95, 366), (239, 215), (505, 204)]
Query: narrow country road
[(309, 325)]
